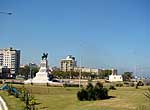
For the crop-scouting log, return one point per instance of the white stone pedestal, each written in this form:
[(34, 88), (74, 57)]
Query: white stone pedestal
[(41, 77)]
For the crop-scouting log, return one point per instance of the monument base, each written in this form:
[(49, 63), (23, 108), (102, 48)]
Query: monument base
[(43, 83), (42, 77)]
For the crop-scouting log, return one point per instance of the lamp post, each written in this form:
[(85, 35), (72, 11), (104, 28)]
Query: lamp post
[(30, 66), (80, 77), (80, 70), (5, 13)]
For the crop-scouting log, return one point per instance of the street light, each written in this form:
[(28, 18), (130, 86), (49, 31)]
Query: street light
[(30, 66), (6, 13), (80, 71), (80, 77), (80, 68)]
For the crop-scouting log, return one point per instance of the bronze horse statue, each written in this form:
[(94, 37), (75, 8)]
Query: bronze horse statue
[(44, 56)]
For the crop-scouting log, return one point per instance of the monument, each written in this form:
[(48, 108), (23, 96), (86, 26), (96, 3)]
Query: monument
[(42, 77)]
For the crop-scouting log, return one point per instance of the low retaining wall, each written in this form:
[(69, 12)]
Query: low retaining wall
[(13, 81), (3, 105)]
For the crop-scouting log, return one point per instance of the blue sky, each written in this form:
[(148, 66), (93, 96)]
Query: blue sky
[(102, 33)]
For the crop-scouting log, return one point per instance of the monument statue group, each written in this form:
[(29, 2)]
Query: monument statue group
[(42, 76)]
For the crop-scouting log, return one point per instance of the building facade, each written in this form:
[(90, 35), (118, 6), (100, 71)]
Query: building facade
[(10, 58), (4, 72), (114, 77), (87, 70), (68, 64)]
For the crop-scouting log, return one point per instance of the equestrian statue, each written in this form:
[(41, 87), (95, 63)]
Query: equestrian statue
[(44, 56)]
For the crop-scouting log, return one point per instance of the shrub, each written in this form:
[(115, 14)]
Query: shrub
[(119, 85), (100, 91), (131, 84), (89, 86), (104, 93), (91, 92), (140, 83), (71, 85), (23, 94), (32, 102), (16, 95), (112, 87), (82, 95)]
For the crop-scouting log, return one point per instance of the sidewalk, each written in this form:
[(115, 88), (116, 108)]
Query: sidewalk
[(3, 105)]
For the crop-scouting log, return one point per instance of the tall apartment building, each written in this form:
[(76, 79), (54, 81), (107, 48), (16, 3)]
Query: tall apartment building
[(68, 64), (10, 58)]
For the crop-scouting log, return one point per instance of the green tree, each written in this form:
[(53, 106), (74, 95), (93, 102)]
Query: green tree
[(86, 75), (62, 74), (24, 71), (34, 70), (104, 73), (127, 76)]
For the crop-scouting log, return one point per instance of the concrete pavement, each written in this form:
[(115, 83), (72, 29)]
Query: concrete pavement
[(3, 105)]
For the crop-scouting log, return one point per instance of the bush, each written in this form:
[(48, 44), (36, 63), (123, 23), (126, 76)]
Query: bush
[(82, 95), (140, 83), (104, 93), (112, 87), (16, 95), (119, 85), (131, 84), (71, 85), (91, 92), (23, 94)]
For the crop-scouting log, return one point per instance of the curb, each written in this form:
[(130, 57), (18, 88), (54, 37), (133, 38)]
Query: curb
[(3, 104)]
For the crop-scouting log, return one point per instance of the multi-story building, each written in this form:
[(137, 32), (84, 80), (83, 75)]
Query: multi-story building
[(68, 64), (4, 72), (10, 58)]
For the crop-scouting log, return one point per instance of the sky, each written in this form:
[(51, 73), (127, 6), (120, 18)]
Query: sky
[(99, 33)]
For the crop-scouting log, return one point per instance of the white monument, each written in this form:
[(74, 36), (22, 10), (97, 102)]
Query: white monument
[(114, 77), (42, 77)]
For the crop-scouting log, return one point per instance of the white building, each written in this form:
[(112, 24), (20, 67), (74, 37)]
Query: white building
[(10, 58), (114, 77), (88, 70), (68, 64)]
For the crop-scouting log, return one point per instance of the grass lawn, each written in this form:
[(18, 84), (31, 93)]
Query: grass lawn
[(59, 98), (12, 102)]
